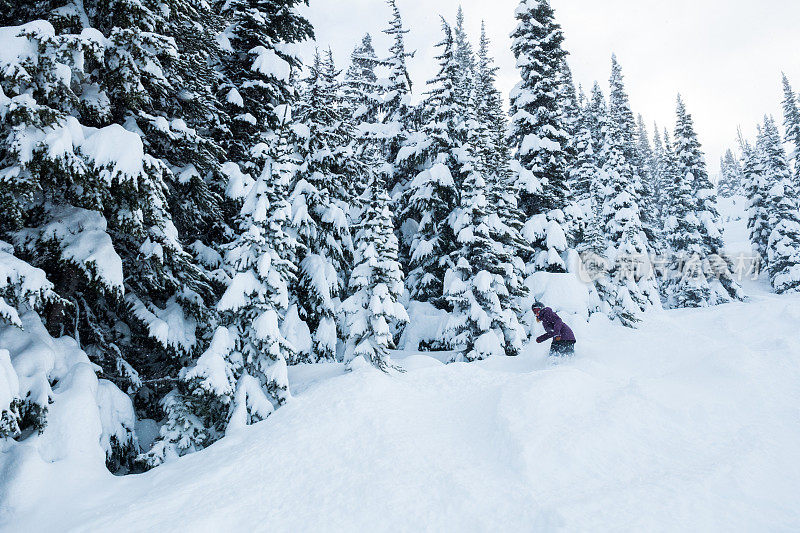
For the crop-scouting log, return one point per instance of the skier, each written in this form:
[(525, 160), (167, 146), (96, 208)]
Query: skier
[(563, 339)]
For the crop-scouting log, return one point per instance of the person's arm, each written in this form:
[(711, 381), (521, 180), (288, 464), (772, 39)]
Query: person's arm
[(542, 338)]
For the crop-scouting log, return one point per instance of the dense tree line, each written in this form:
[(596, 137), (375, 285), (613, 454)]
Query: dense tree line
[(200, 212)]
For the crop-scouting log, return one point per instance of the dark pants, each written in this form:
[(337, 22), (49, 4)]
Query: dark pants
[(562, 348)]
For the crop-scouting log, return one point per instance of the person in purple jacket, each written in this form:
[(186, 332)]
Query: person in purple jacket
[(563, 339)]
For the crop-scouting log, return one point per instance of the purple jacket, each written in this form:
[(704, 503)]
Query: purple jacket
[(554, 326)]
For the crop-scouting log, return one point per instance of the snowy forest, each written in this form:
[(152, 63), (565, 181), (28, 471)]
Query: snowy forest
[(191, 216)]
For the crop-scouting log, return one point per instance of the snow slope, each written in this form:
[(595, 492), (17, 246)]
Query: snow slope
[(691, 422)]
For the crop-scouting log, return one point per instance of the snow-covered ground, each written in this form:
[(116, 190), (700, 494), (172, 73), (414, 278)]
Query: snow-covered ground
[(691, 422)]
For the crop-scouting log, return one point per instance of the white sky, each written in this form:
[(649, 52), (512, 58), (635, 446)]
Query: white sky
[(724, 56)]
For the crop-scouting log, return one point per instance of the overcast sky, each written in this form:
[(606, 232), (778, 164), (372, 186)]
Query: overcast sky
[(724, 56)]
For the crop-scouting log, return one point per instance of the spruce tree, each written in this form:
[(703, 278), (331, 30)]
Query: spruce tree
[(605, 294), (483, 320), (362, 108), (537, 134), (619, 112), (659, 175), (320, 203), (570, 110), (242, 376), (633, 137), (694, 235), (791, 122), (361, 84), (585, 172), (488, 140), (628, 245), (647, 191), (756, 187), (98, 224), (595, 120), (373, 306), (257, 64), (433, 194), (730, 181), (783, 244), (465, 58), (397, 119)]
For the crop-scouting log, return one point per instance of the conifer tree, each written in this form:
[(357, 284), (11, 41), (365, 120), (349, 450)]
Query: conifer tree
[(570, 110), (791, 122), (362, 107), (783, 244), (258, 65), (488, 140), (628, 251), (320, 203), (398, 110), (483, 321), (361, 83), (98, 224), (585, 171), (537, 134), (619, 112), (465, 58), (242, 375), (595, 119), (658, 175), (604, 292), (433, 194), (730, 181), (647, 190), (756, 187), (693, 228), (373, 307)]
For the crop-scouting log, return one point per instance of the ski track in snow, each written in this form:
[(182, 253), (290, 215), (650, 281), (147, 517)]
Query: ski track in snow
[(691, 422)]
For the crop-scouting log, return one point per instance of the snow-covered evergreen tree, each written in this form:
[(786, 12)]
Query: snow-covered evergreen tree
[(260, 261), (373, 309), (242, 375), (595, 119), (488, 141), (756, 187), (258, 62), (606, 295), (361, 83), (701, 276), (397, 119), (465, 58), (783, 202), (570, 110), (659, 176), (645, 163), (791, 122), (98, 223), (619, 112), (622, 118), (362, 108), (320, 201), (585, 172), (483, 320), (731, 176), (628, 247), (537, 133), (433, 194)]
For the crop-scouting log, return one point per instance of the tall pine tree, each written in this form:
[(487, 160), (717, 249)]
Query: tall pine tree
[(538, 134)]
